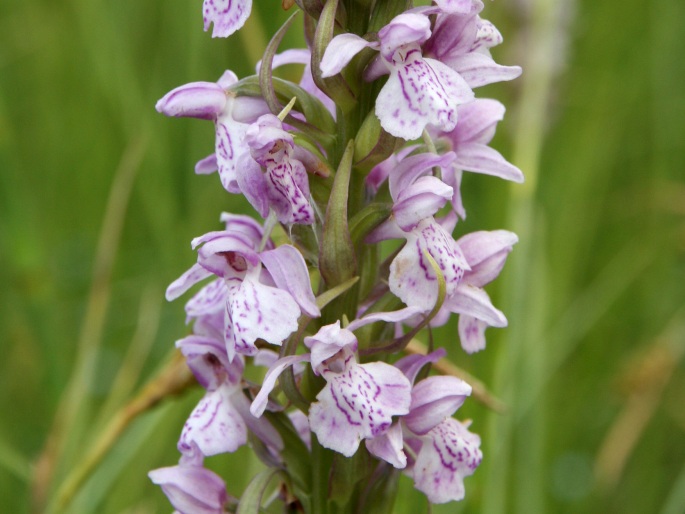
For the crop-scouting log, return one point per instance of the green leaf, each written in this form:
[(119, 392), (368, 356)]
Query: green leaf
[(368, 219), (347, 472), (337, 261), (296, 456), (250, 502), (372, 144), (328, 296), (381, 492)]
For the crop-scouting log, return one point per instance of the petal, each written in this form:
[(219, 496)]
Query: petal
[(328, 341), (252, 183), (420, 92), (259, 403), (226, 15), (340, 52), (211, 298), (425, 197), (214, 426), (449, 453), (414, 166), (472, 333), (288, 191), (479, 69), (290, 273), (241, 224), (389, 447), (434, 399), (390, 317), (412, 364), (455, 6), (257, 311), (191, 489), (479, 158), (358, 404), (452, 177), (486, 252), (475, 302), (230, 145), (204, 100), (404, 29), (191, 277), (412, 278), (207, 359), (477, 121), (207, 165)]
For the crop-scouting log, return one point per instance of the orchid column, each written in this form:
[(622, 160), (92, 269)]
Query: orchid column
[(370, 146)]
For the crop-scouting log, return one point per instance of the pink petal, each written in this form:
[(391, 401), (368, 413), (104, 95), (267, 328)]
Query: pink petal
[(290, 273)]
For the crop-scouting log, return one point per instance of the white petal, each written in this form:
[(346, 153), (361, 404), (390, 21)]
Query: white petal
[(449, 453), (214, 426), (358, 404)]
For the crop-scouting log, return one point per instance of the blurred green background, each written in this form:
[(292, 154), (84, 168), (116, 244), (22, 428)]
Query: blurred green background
[(98, 203)]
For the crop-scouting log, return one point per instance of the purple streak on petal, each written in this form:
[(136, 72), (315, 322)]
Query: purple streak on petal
[(258, 311), (448, 454), (230, 145), (357, 404), (289, 272), (412, 278), (420, 92), (226, 15)]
